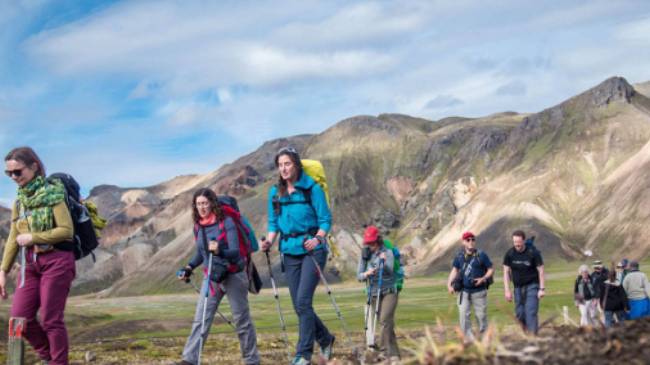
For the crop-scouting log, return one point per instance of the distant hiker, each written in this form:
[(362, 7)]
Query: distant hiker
[(42, 228), (377, 259), (216, 235), (621, 270), (299, 214), (637, 289), (613, 300), (599, 276), (470, 277), (585, 297), (524, 265)]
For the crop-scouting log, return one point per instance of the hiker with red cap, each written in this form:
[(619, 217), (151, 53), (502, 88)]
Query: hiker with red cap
[(470, 278), (377, 268)]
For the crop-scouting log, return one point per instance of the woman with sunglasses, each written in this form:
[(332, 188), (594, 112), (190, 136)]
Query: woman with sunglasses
[(41, 227), (299, 215)]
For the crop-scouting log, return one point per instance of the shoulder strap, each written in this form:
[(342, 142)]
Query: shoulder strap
[(531, 252), (205, 240), (478, 257), (306, 193)]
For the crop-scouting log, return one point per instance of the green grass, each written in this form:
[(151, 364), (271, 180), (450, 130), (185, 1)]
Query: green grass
[(422, 303)]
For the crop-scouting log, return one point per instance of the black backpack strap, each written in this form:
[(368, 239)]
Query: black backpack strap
[(205, 240), (306, 193)]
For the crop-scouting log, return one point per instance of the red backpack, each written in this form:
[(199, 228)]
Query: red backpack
[(230, 209)]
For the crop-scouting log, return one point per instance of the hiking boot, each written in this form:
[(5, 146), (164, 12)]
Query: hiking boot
[(182, 362), (299, 360), (326, 352)]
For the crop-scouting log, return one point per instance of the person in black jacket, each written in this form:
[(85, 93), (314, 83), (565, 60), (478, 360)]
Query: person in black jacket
[(613, 300), (585, 297)]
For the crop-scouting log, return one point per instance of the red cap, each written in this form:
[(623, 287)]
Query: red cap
[(467, 235), (370, 235)]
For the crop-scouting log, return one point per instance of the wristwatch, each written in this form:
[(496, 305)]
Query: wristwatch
[(542, 289)]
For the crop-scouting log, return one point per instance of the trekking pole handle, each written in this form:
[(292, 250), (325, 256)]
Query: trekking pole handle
[(263, 239)]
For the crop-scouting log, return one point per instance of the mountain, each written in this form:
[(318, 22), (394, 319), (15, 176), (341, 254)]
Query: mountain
[(574, 175), (643, 88), (5, 218)]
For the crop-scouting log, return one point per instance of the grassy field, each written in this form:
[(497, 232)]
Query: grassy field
[(152, 329)]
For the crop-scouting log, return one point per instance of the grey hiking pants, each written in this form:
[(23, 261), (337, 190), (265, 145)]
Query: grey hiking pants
[(236, 286), (387, 306), (479, 301)]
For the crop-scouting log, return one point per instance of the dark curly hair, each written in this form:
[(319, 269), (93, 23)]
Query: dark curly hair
[(212, 198)]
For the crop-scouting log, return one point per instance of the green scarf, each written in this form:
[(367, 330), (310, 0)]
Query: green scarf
[(38, 197)]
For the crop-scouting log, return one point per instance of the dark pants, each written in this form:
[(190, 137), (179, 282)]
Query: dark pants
[(302, 276), (527, 306), (611, 315), (47, 284)]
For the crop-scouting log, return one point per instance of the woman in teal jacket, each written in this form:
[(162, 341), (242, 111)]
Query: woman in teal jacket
[(299, 214)]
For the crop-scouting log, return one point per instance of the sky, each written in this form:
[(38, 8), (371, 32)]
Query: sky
[(133, 93)]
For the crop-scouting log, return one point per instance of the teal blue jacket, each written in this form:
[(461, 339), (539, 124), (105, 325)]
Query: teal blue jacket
[(296, 221)]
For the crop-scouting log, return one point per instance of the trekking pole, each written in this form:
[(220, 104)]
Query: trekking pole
[(368, 314), (225, 319), (379, 282), (196, 289), (205, 306), (336, 307), (23, 263), (277, 302)]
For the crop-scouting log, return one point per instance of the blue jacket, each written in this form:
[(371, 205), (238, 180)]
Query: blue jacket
[(300, 220)]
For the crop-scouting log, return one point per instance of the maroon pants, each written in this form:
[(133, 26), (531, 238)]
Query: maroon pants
[(47, 284)]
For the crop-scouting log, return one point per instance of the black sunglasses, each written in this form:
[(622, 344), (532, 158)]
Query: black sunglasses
[(16, 173), (470, 239)]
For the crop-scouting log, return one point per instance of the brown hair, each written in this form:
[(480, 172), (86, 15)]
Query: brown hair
[(611, 276), (27, 156), (212, 198), (519, 233), (295, 158)]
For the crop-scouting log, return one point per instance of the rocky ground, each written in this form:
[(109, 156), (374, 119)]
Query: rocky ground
[(626, 344)]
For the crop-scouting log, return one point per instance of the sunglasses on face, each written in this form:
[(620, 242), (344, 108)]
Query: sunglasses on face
[(471, 239), (16, 173)]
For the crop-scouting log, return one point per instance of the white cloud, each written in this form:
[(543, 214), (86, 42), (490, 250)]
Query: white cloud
[(636, 32), (357, 24), (180, 43), (159, 78)]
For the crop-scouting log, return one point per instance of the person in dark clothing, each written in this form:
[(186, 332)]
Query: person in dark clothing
[(585, 297), (523, 265), (599, 276), (613, 300)]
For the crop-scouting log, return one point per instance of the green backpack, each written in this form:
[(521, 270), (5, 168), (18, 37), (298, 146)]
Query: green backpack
[(397, 265)]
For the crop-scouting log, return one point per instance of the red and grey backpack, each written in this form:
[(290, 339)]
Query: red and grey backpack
[(230, 208)]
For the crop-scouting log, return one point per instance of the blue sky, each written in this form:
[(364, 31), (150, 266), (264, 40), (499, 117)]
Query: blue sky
[(134, 93)]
